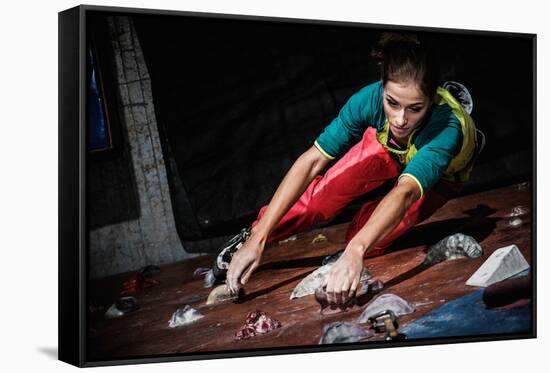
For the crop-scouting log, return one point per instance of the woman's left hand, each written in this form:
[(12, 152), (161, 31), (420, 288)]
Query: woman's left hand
[(344, 276)]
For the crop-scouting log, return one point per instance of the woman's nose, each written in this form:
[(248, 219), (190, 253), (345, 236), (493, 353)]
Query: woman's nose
[(401, 118)]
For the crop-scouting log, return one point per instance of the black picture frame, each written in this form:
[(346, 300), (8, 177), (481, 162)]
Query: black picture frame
[(73, 194)]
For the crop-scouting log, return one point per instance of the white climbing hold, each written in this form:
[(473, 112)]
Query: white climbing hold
[(502, 264)]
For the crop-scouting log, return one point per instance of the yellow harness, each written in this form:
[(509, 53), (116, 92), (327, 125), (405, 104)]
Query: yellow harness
[(461, 165)]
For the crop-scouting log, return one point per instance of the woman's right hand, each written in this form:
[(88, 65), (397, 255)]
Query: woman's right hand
[(244, 262)]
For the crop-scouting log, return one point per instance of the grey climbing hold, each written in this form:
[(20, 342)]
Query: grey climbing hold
[(316, 279), (518, 211), (122, 306), (149, 270), (453, 247), (184, 316), (367, 286), (384, 302), (209, 279), (331, 258), (344, 332), (291, 238), (515, 222)]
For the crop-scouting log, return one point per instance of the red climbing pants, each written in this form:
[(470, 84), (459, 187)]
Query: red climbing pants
[(362, 169)]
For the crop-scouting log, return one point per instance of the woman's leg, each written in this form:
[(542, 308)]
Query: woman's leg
[(422, 209), (363, 168)]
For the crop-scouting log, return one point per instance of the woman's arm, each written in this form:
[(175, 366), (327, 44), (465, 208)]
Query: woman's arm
[(295, 182), (345, 274), (387, 215), (297, 179)]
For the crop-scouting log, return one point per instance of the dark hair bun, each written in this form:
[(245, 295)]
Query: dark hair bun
[(392, 38), (389, 37)]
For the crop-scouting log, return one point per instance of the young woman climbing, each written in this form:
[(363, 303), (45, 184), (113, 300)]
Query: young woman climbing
[(403, 128)]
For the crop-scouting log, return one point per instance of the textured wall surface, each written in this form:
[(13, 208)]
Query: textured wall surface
[(137, 181)]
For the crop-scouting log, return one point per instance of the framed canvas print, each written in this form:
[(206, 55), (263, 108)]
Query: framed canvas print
[(238, 185)]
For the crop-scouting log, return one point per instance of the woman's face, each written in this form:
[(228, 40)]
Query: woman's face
[(405, 106)]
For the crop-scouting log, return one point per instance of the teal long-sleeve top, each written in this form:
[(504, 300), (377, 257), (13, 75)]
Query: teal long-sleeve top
[(443, 146)]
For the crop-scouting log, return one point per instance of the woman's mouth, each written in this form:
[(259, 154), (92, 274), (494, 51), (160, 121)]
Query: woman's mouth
[(400, 130)]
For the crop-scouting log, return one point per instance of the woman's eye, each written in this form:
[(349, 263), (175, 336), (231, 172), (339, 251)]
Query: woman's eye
[(392, 103), (415, 110)]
